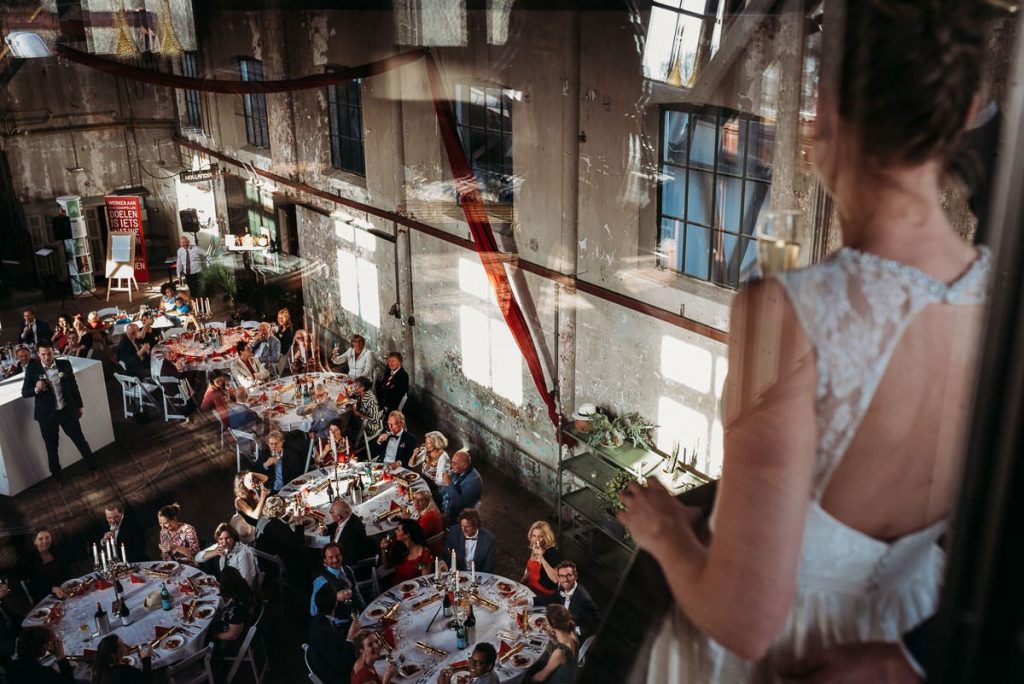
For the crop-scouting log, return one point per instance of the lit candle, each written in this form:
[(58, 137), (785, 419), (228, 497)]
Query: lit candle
[(453, 568), (95, 555), (124, 555), (334, 446), (472, 570), (103, 559), (456, 582), (437, 569)]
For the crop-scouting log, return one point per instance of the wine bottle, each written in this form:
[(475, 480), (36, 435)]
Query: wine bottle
[(460, 636), (470, 624), (165, 597), (102, 622), (446, 605), (124, 613)]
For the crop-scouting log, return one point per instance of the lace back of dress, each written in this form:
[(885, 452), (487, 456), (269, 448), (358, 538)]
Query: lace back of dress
[(854, 309)]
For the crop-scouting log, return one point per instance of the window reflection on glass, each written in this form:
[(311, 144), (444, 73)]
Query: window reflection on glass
[(715, 180), (193, 106), (490, 356), (484, 119), (681, 37), (257, 126), (345, 119)]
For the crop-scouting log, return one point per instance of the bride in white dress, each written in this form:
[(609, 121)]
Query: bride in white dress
[(849, 386)]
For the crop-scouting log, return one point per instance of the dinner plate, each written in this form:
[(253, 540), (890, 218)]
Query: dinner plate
[(522, 660), (375, 613), (539, 622), (411, 477), (71, 586), (172, 643), (166, 566), (505, 587), (204, 612), (299, 481), (410, 670), (40, 614), (206, 581), (128, 660), (461, 678), (409, 586)]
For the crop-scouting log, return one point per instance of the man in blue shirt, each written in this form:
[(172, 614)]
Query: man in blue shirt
[(462, 488)]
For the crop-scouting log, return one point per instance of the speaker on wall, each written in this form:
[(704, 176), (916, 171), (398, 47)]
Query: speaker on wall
[(61, 228), (189, 220)]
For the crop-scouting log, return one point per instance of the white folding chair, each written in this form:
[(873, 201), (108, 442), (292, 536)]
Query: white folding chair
[(107, 311), (246, 654), (216, 324), (250, 325), (305, 656), (193, 670), (401, 404), (135, 393), (369, 586), (309, 454), (250, 438), (587, 643), (176, 393), (28, 594), (173, 332)]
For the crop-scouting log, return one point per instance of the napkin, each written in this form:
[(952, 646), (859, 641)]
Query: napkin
[(102, 584), (504, 648), (506, 651), (185, 588), (135, 579), (459, 665), (394, 506), (388, 633)]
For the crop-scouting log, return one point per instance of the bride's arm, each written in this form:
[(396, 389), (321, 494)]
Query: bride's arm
[(739, 589)]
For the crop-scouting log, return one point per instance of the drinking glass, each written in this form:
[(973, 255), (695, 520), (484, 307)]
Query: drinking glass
[(777, 246)]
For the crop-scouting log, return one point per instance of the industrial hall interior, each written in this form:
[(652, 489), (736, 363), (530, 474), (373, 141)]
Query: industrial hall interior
[(508, 340)]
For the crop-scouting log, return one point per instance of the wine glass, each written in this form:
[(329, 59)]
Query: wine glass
[(778, 246)]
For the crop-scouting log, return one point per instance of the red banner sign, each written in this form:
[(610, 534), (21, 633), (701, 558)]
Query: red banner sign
[(124, 213)]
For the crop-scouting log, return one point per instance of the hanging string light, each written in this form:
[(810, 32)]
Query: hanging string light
[(167, 39), (124, 45)]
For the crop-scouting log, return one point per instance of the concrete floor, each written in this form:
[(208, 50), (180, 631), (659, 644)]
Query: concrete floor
[(153, 464)]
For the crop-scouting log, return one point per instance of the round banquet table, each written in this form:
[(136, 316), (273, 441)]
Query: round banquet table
[(414, 624), (77, 629), (380, 501), (200, 356), (276, 399)]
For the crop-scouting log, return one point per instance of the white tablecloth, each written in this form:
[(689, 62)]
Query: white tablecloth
[(200, 356), (79, 611), (385, 492), (278, 398), (422, 625)]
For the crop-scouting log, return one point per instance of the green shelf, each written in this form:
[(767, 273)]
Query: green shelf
[(637, 462), (587, 503), (593, 470)]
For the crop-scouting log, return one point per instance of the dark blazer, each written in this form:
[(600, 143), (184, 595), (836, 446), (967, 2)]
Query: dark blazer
[(132, 536), (126, 674), (128, 355), (584, 611), (32, 671), (485, 548), (292, 464), (406, 445), (331, 656), (464, 492), (43, 331), (277, 538), (355, 546), (391, 388), (46, 402)]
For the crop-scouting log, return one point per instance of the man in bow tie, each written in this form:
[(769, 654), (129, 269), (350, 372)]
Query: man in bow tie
[(576, 600), (395, 446), (58, 405)]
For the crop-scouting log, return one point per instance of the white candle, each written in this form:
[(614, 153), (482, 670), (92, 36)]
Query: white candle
[(453, 568), (472, 570), (456, 582), (437, 569), (95, 555), (103, 559), (124, 555), (334, 446)]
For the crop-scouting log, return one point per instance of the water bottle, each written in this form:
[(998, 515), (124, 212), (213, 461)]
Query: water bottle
[(165, 597), (460, 636)]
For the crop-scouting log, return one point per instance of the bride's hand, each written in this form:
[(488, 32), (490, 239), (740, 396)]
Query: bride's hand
[(653, 516)]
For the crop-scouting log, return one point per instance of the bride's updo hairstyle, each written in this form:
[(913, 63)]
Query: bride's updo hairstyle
[(909, 73)]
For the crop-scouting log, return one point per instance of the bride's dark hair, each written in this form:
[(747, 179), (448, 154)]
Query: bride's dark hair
[(909, 73)]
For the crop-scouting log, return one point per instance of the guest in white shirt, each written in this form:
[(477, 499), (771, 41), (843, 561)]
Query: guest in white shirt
[(232, 552), (268, 347), (360, 360), (247, 370), (190, 265)]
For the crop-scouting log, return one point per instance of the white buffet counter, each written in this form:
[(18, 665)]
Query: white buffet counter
[(22, 452)]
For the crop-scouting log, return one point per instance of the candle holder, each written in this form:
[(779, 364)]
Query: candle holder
[(115, 570)]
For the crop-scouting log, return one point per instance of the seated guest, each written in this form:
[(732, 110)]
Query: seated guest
[(330, 655), (124, 532), (22, 356), (321, 412), (86, 338), (562, 658), (229, 551), (250, 495), (12, 612), (433, 458), (173, 366), (347, 531), (33, 644), (393, 386), (300, 355), (94, 324), (274, 535), (281, 465), (167, 296), (575, 598), (237, 611), (368, 648), (408, 557), (220, 397), (178, 541), (76, 345), (360, 360), (367, 411), (481, 666), (461, 487), (60, 334), (108, 666), (246, 370), (395, 446), (133, 352), (267, 347), (182, 306), (336, 433), (285, 329), (540, 574), (342, 581), (147, 334), (31, 330), (471, 543), (427, 513), (45, 570)]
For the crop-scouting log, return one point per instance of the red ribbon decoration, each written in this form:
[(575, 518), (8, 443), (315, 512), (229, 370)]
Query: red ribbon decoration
[(466, 186)]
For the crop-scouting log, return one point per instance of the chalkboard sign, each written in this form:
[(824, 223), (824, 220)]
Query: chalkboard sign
[(120, 251)]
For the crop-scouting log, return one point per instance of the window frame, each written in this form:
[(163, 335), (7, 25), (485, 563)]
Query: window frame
[(336, 138), (192, 98), (254, 105), (500, 181)]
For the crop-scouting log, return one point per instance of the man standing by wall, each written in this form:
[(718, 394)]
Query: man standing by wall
[(190, 265), (58, 405)]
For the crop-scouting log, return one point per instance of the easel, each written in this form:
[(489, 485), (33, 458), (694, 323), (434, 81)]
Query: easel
[(120, 269)]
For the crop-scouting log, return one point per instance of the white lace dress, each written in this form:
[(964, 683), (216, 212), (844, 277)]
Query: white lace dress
[(851, 587)]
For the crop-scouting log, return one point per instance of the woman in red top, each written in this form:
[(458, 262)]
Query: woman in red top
[(540, 574), (368, 647), (408, 555), (427, 514)]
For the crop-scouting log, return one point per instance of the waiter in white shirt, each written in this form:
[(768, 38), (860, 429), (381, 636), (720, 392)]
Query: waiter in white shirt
[(190, 265)]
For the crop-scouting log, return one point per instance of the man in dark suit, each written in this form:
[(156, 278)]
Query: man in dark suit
[(282, 465), (58, 404), (133, 352), (395, 445), (347, 531), (470, 542), (23, 356), (32, 330), (575, 598), (393, 386), (331, 657), (124, 531)]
